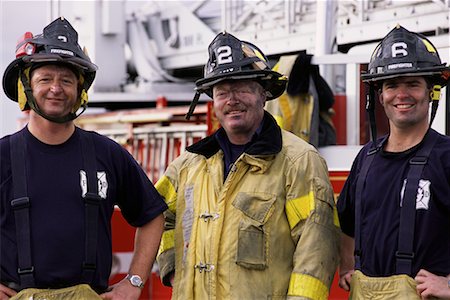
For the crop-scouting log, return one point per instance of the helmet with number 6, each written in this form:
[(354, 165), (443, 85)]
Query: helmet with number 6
[(405, 53)]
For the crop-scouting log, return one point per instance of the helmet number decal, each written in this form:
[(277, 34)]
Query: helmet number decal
[(224, 55), (62, 38), (399, 49)]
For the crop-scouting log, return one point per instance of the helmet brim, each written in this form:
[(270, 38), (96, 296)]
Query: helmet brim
[(11, 74), (435, 72), (10, 77)]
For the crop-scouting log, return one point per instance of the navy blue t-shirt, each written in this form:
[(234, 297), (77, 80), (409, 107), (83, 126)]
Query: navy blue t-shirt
[(56, 182), (380, 210)]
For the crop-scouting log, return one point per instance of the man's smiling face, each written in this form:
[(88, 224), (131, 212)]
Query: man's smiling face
[(239, 107)]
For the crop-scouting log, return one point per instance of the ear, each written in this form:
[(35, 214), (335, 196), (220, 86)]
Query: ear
[(264, 99), (380, 97)]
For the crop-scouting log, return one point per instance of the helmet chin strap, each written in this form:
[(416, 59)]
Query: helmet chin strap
[(192, 106), (434, 96), (33, 105), (370, 108)]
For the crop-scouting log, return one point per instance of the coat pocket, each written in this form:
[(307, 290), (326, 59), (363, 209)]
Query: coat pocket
[(252, 236), (251, 248)]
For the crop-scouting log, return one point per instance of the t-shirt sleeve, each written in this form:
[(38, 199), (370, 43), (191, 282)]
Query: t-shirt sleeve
[(346, 200)]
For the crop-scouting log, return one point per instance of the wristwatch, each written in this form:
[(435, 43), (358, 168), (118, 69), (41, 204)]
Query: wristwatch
[(135, 280)]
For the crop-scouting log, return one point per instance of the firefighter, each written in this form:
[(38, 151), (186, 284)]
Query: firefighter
[(251, 210), (59, 183), (394, 208)]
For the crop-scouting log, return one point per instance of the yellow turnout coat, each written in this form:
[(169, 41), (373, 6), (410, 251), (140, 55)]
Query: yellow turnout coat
[(267, 231)]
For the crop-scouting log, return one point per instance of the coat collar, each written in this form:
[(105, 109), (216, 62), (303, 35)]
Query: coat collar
[(268, 142)]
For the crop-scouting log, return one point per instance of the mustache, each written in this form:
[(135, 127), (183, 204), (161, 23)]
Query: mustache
[(230, 108)]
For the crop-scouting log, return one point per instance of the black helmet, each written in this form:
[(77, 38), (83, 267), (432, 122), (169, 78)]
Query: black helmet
[(58, 44), (405, 53), (230, 59)]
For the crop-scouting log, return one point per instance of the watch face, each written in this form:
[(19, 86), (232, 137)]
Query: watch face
[(135, 280)]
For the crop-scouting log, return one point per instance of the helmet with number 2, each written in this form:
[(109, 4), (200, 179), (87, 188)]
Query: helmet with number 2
[(231, 59)]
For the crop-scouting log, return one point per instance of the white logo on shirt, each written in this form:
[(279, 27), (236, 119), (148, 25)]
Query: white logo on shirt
[(423, 194), (101, 181)]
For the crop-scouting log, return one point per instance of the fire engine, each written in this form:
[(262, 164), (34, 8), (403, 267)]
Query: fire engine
[(150, 53)]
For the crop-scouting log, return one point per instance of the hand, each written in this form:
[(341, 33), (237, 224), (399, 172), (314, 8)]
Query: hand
[(122, 290), (6, 292), (345, 278), (430, 285)]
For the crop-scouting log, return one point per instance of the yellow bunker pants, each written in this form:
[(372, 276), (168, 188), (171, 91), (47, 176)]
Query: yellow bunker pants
[(396, 287), (77, 292)]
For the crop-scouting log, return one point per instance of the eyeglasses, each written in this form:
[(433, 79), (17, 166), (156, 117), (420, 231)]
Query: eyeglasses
[(240, 92)]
